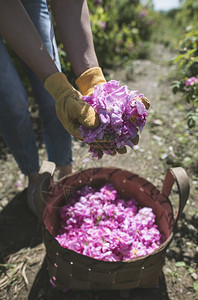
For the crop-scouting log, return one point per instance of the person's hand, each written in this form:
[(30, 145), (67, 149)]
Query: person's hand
[(71, 109), (86, 83), (101, 147)]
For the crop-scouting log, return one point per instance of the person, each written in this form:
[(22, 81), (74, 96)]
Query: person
[(73, 24), (15, 121)]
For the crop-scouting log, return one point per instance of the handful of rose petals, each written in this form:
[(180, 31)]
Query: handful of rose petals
[(122, 115)]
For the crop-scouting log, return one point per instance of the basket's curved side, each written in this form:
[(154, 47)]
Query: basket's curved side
[(179, 176)]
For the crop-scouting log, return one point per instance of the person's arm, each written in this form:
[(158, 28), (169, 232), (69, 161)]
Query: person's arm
[(73, 23), (19, 32)]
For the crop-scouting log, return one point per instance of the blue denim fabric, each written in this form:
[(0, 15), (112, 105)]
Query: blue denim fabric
[(15, 120)]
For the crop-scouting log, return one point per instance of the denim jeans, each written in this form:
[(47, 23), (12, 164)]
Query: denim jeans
[(15, 119)]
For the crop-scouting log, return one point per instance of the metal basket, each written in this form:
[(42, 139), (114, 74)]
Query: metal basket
[(68, 269)]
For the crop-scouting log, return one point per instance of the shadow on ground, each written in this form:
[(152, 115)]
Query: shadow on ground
[(18, 227)]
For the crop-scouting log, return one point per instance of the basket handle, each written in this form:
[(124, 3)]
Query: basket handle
[(47, 166), (179, 176), (173, 175), (42, 185)]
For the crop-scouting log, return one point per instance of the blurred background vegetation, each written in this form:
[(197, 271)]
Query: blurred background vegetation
[(122, 30), (127, 30)]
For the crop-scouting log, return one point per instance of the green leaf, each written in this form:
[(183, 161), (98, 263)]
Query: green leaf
[(178, 58), (175, 89), (190, 52), (179, 264), (195, 285), (191, 270)]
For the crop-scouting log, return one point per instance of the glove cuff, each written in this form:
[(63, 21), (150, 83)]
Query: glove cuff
[(56, 84), (87, 80)]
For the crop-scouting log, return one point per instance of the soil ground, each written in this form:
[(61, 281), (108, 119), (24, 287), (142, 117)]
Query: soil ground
[(22, 253)]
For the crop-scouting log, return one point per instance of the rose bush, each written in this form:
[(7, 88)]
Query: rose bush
[(187, 62), (121, 31)]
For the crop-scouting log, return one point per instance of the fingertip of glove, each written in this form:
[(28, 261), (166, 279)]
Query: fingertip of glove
[(92, 121), (113, 153), (97, 120), (75, 131), (135, 140), (122, 150), (99, 153), (146, 102)]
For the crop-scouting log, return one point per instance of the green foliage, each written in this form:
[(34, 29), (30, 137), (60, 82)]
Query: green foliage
[(172, 27), (192, 118), (120, 29), (187, 59), (187, 62), (188, 13), (188, 48), (121, 32), (195, 286), (167, 31)]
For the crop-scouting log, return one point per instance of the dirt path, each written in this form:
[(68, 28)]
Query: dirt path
[(24, 274)]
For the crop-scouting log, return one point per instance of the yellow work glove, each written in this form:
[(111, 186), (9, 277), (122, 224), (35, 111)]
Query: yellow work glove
[(71, 109), (87, 80), (94, 76)]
